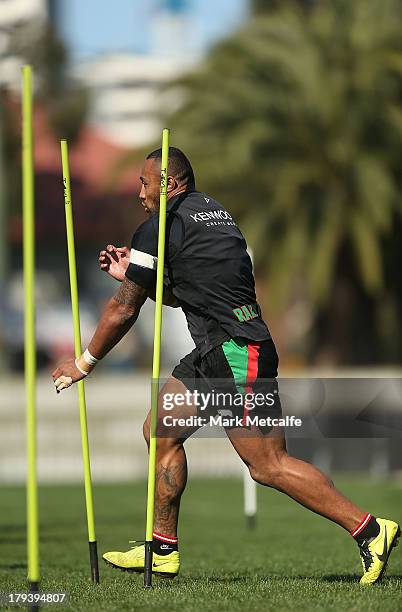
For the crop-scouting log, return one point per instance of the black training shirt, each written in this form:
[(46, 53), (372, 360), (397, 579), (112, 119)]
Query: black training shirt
[(207, 268)]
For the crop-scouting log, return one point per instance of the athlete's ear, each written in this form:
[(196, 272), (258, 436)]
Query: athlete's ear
[(171, 184)]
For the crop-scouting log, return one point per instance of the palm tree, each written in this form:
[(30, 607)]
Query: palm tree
[(295, 124)]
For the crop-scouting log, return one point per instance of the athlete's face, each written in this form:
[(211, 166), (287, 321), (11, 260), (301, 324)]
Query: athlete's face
[(150, 179)]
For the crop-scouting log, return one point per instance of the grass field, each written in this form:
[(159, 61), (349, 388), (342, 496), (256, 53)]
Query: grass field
[(293, 560)]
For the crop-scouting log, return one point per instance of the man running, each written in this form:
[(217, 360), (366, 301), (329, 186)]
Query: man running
[(209, 275)]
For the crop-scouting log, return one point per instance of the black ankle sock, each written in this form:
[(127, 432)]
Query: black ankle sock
[(164, 545), (367, 530)]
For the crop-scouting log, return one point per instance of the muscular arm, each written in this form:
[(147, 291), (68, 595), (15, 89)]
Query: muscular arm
[(118, 316)]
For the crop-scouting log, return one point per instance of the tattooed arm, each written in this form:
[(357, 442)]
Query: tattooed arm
[(118, 316)]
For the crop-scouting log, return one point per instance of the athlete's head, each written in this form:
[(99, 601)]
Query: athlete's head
[(181, 177)]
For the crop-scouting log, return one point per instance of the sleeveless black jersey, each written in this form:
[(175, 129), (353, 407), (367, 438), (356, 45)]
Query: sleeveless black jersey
[(207, 268)]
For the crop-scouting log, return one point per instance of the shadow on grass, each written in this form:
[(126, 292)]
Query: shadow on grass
[(392, 578), (330, 578), (13, 566), (13, 539), (21, 539), (17, 528), (235, 579), (349, 578)]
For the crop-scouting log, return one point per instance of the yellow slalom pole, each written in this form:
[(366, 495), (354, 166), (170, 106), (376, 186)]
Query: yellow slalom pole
[(156, 361), (28, 211), (93, 553)]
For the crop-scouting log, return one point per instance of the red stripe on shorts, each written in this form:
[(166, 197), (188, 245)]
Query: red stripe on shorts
[(253, 351)]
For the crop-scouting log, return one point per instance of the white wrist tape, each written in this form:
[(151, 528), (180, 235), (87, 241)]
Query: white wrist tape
[(86, 363), (90, 359), (80, 369)]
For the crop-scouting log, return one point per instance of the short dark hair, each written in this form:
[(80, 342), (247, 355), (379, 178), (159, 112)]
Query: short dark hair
[(179, 165)]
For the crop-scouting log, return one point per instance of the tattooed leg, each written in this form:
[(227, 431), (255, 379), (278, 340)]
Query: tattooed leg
[(171, 463), (171, 479)]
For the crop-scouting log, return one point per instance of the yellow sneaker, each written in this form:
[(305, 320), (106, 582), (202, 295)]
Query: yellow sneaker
[(166, 566), (375, 552)]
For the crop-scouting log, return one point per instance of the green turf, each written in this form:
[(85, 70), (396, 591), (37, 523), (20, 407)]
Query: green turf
[(293, 560)]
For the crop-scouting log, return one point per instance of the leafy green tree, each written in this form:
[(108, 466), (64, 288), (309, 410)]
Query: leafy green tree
[(65, 105), (263, 6), (64, 102), (295, 124)]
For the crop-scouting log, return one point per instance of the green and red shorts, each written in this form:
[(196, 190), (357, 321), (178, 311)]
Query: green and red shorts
[(240, 368)]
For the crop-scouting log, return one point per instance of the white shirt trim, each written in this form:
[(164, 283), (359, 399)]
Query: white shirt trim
[(145, 260)]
